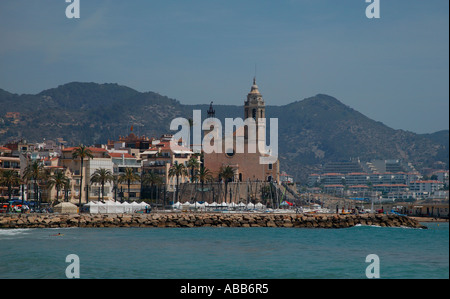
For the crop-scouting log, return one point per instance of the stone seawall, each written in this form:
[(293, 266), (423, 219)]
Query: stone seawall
[(203, 220)]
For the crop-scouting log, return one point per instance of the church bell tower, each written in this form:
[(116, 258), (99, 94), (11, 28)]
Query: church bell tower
[(255, 108)]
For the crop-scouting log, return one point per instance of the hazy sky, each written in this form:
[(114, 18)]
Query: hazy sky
[(394, 69)]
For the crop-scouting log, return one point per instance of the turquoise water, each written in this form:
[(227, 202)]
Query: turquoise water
[(226, 253)]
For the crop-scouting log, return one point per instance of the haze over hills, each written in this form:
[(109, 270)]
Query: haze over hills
[(312, 131)]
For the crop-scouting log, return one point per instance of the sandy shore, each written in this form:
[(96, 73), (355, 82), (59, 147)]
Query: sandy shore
[(429, 219)]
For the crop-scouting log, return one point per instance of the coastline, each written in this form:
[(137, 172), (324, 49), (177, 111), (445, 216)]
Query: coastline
[(191, 220), (428, 219)]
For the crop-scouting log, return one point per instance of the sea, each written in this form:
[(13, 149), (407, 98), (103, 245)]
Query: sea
[(225, 253)]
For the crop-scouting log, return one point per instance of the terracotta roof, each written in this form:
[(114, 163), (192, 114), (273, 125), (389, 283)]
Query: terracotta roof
[(119, 155)]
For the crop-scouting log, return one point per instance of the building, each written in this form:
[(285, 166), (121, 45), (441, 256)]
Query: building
[(9, 162), (246, 164), (426, 187), (161, 156), (101, 159)]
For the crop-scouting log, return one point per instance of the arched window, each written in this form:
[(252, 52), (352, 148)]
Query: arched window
[(254, 114)]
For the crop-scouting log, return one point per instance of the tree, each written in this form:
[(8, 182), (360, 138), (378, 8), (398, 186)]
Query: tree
[(227, 174), (102, 176), (10, 179), (151, 178), (115, 180), (82, 152), (193, 164), (59, 180), (177, 170), (204, 175), (34, 172), (129, 176)]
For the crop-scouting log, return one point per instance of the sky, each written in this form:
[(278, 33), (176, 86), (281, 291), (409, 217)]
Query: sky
[(394, 69)]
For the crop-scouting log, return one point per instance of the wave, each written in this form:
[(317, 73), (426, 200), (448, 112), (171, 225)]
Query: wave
[(14, 232)]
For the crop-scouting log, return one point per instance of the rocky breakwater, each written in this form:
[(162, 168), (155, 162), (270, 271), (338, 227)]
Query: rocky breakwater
[(203, 220)]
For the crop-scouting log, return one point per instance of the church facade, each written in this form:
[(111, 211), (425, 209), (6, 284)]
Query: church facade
[(246, 164)]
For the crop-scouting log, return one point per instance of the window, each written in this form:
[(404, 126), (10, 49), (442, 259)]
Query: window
[(270, 166)]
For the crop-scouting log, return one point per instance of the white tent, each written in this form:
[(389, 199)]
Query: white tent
[(120, 208), (135, 207), (101, 208), (200, 205), (250, 205), (241, 205), (176, 205), (186, 205), (66, 208), (92, 206), (127, 207), (144, 205), (110, 207), (214, 204), (259, 206)]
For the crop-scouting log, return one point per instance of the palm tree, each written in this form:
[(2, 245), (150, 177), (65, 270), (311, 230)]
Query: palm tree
[(129, 176), (115, 180), (102, 176), (59, 180), (193, 164), (10, 179), (177, 170), (151, 178), (34, 172), (204, 175), (227, 174), (82, 152)]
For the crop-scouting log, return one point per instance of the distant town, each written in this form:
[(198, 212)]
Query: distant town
[(150, 169)]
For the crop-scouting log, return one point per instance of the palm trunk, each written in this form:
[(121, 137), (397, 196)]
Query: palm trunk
[(129, 182), (178, 199), (226, 189), (103, 191), (81, 186)]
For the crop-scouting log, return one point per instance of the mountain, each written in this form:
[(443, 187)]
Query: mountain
[(312, 131)]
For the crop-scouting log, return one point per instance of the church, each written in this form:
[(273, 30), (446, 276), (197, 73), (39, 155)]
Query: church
[(246, 164)]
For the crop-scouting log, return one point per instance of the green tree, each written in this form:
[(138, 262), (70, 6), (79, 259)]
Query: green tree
[(227, 174), (204, 175), (177, 170), (59, 180), (34, 172), (102, 176), (129, 176), (10, 179), (153, 179), (82, 152), (193, 164)]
